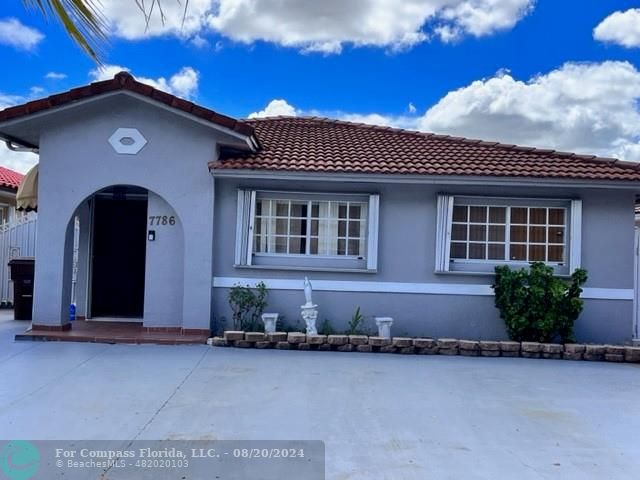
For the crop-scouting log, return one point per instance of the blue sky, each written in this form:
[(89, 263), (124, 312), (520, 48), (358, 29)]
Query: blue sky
[(555, 74)]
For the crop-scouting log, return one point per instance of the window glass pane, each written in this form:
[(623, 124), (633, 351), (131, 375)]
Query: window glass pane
[(537, 234), (458, 250), (518, 215), (496, 251), (518, 252), (297, 227), (354, 247), (477, 232), (496, 233), (299, 210), (497, 214), (282, 226), (282, 209), (556, 234), (477, 251), (518, 234), (342, 228), (556, 216), (281, 244), (538, 216), (459, 213), (537, 253), (297, 245), (354, 211), (556, 253), (478, 214), (458, 232)]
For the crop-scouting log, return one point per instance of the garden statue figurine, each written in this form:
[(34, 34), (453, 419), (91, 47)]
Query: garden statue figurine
[(308, 311), (307, 291)]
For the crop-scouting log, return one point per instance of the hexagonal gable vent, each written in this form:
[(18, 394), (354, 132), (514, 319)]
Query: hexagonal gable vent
[(128, 141)]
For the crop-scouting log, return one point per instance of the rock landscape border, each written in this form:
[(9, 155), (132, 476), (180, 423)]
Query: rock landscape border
[(427, 346)]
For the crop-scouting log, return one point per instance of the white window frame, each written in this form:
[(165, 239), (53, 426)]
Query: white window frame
[(444, 221), (246, 257)]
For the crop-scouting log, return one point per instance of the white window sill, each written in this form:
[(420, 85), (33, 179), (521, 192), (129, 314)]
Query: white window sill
[(487, 274), (305, 269)]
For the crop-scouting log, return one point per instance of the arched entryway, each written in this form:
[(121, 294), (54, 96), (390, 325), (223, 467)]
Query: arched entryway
[(127, 262)]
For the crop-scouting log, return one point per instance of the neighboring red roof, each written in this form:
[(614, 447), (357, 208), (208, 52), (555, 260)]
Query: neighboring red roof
[(10, 178), (300, 144), (124, 81)]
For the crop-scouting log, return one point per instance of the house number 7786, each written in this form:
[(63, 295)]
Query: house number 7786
[(162, 220)]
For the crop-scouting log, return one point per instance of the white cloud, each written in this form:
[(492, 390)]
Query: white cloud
[(320, 26), (622, 28), (411, 108), (127, 21), (199, 42), (19, 161), (17, 35), (275, 108), (591, 108), (55, 76), (585, 108), (325, 26), (183, 83)]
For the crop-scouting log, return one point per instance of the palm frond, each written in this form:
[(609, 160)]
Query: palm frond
[(81, 19), (85, 24)]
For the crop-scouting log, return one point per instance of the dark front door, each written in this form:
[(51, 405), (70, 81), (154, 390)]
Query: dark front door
[(119, 248)]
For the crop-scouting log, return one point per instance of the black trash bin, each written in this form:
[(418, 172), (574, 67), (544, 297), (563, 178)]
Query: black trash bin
[(22, 277)]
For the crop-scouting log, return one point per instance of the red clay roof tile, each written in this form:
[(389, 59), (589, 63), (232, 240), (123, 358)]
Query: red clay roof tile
[(10, 178), (312, 144)]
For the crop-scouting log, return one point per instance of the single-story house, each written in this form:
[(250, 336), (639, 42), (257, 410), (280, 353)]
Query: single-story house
[(177, 203), (9, 182)]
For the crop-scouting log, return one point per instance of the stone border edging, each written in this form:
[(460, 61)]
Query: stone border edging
[(427, 346)]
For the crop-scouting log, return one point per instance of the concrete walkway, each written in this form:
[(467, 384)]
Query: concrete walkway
[(381, 416)]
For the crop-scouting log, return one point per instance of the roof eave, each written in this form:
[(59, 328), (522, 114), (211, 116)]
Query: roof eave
[(401, 178)]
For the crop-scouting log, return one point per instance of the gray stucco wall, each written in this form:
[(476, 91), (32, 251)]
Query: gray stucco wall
[(76, 161), (406, 254), (165, 267)]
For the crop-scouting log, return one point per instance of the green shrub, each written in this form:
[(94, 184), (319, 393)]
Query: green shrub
[(285, 326), (247, 306), (355, 324), (326, 328), (535, 305)]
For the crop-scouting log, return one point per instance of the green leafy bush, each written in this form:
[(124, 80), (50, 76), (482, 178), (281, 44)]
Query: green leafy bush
[(326, 328), (535, 305), (247, 306), (355, 324)]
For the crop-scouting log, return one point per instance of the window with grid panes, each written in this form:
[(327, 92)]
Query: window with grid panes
[(315, 230), (527, 234)]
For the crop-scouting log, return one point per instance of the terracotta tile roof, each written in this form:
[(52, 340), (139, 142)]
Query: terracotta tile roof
[(10, 178), (124, 81), (299, 144)]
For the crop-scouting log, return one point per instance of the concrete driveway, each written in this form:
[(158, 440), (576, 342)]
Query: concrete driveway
[(381, 416)]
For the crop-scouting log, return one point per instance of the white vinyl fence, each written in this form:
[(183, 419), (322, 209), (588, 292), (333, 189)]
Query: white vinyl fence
[(17, 239)]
